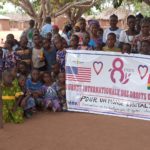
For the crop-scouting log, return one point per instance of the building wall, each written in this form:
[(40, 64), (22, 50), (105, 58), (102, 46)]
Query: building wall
[(4, 25)]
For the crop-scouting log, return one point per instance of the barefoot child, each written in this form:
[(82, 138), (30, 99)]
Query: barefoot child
[(50, 96), (11, 96)]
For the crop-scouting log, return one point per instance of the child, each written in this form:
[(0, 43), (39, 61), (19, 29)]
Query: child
[(55, 29), (49, 53), (1, 63), (110, 44), (10, 57), (38, 59), (55, 71), (61, 53), (86, 40), (50, 96), (11, 96), (64, 42), (145, 47), (27, 102), (126, 48), (13, 73), (23, 69), (24, 52), (74, 43), (59, 87), (34, 86)]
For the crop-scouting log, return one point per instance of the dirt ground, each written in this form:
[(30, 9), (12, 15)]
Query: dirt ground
[(76, 131)]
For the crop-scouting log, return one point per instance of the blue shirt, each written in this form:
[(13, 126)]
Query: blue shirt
[(33, 86), (50, 57), (46, 29)]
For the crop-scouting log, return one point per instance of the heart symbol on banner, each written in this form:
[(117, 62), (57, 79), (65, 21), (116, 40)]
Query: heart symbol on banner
[(98, 66), (143, 70)]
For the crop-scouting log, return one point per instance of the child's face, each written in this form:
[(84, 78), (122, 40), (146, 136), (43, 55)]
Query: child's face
[(58, 43), (14, 72), (111, 41), (37, 40), (55, 68), (23, 41), (131, 23), (145, 28), (22, 81), (86, 39), (126, 48), (7, 79), (73, 42), (61, 78), (47, 78), (145, 48), (113, 22), (49, 36), (7, 46), (94, 29), (82, 25), (46, 44), (35, 75), (22, 68)]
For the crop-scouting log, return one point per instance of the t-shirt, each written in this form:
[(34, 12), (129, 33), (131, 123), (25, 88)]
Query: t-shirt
[(37, 54), (108, 30), (10, 59), (124, 38), (136, 44), (32, 86), (11, 93), (114, 49), (46, 29), (25, 55), (94, 43), (50, 57)]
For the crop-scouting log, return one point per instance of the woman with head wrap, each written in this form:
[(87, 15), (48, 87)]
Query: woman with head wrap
[(95, 40)]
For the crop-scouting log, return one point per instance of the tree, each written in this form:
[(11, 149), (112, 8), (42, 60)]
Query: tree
[(39, 9)]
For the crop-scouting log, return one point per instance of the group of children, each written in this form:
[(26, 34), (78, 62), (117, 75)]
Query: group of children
[(33, 71)]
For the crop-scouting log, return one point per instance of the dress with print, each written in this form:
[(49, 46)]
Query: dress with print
[(10, 59), (50, 97), (60, 56), (9, 96)]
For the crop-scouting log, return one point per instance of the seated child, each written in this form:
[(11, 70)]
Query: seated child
[(50, 96), (34, 86), (110, 44), (126, 48), (11, 96), (59, 87), (27, 103), (145, 47)]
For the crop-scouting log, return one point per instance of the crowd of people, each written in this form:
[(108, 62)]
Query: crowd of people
[(33, 69)]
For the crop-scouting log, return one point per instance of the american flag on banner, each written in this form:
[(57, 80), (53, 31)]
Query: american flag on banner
[(79, 74)]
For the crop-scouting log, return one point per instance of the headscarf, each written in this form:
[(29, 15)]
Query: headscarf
[(95, 22)]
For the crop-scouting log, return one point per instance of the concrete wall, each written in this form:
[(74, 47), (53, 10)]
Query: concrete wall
[(4, 25)]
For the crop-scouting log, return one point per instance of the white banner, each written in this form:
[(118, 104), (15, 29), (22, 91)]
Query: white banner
[(108, 83)]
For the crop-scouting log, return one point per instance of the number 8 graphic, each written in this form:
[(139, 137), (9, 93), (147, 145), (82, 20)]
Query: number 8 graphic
[(117, 68)]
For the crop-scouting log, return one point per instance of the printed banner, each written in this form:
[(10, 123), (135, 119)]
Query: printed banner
[(108, 83)]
